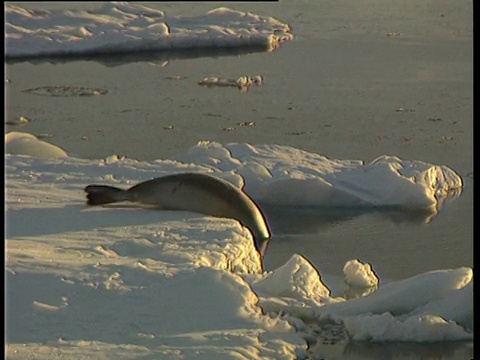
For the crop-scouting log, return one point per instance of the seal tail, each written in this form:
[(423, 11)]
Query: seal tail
[(102, 194)]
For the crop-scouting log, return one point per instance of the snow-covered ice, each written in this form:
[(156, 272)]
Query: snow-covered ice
[(84, 279), (121, 27), (110, 282)]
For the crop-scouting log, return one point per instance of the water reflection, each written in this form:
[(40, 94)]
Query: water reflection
[(160, 57), (287, 220)]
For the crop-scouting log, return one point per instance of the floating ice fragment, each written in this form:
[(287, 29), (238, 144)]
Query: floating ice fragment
[(404, 296), (242, 82), (297, 279), (22, 121), (358, 274), (385, 327), (120, 28)]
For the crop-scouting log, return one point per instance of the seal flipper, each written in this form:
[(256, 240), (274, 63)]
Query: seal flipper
[(102, 194)]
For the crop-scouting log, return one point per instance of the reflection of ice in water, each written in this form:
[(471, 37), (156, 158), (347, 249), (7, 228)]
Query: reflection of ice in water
[(312, 220), (451, 195)]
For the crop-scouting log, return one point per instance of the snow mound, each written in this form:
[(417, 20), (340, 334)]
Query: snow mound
[(22, 143)]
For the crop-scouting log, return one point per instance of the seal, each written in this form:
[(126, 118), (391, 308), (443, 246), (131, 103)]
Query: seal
[(196, 192)]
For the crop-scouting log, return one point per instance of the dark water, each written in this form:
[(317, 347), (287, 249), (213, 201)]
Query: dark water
[(398, 243)]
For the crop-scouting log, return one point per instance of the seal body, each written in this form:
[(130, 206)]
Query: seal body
[(197, 192)]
